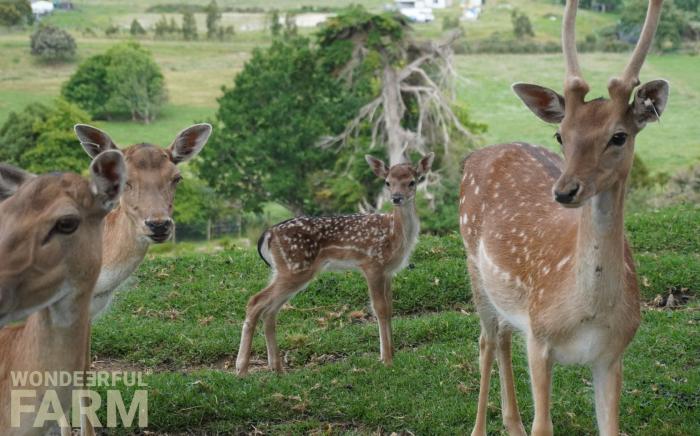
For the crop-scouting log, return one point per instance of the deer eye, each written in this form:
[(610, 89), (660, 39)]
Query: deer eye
[(386, 183), (177, 179), (67, 225), (557, 136), (412, 183), (618, 139)]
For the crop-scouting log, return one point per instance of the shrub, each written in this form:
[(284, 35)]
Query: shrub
[(672, 25), (521, 24), (112, 30), (15, 13), (123, 81), (51, 44), (40, 138), (450, 22)]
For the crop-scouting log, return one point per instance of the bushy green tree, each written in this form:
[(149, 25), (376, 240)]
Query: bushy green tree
[(40, 138), (189, 26), (136, 29), (15, 13), (264, 143), (51, 44), (88, 86), (213, 18), (125, 81)]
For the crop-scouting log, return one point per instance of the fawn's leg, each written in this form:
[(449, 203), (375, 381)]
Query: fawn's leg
[(291, 286), (381, 296), (607, 382), (540, 363), (509, 404), (256, 305)]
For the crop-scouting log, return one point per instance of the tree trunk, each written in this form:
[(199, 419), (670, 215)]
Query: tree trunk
[(394, 110)]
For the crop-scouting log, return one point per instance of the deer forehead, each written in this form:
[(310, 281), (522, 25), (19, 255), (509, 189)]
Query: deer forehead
[(401, 173), (147, 158)]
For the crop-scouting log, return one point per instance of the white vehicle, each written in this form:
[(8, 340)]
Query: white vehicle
[(415, 11)]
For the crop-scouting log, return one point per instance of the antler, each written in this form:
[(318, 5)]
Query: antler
[(573, 82), (630, 75)]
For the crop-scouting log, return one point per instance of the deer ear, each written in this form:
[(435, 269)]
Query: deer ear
[(548, 105), (650, 102), (379, 168), (189, 142), (424, 164), (93, 140), (108, 172), (11, 178)]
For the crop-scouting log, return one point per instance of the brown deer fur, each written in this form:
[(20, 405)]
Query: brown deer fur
[(54, 264), (545, 239)]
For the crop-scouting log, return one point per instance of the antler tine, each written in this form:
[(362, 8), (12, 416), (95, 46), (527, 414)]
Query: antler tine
[(630, 75), (574, 79)]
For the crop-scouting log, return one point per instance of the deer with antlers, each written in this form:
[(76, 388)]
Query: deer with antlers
[(545, 238), (377, 244), (51, 246)]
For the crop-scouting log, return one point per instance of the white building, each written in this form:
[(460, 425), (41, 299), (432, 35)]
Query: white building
[(42, 8)]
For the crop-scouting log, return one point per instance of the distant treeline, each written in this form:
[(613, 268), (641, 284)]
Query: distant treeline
[(169, 8)]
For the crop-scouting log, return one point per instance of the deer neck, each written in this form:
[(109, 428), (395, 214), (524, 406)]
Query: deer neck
[(123, 248), (406, 219), (600, 268)]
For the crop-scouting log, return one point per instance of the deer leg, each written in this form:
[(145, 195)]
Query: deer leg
[(487, 348), (256, 305), (380, 293), (86, 428), (509, 404), (540, 364), (270, 320), (607, 382)]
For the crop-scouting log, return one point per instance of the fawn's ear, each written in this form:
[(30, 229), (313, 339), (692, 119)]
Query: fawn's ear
[(650, 101), (189, 142), (425, 164), (108, 173), (548, 105), (11, 178), (378, 166), (93, 140)]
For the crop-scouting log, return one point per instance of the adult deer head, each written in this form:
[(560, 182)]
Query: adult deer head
[(51, 231), (152, 176), (597, 136)]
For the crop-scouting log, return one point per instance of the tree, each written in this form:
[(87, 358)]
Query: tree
[(274, 22), (411, 110), (672, 23), (51, 44), (290, 24), (213, 18), (263, 145), (521, 24), (135, 81), (88, 86), (15, 13), (136, 28), (189, 26), (123, 81), (40, 138)]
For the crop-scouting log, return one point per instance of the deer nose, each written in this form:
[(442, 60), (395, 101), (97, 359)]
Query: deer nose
[(397, 198), (159, 227), (568, 193)]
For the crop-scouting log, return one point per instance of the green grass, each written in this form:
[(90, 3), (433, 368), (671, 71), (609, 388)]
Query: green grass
[(181, 323)]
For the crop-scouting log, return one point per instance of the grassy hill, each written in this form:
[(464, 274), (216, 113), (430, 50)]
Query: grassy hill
[(181, 324)]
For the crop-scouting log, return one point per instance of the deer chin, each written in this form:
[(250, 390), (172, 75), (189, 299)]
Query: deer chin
[(159, 239)]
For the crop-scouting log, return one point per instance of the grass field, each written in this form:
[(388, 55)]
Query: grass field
[(181, 323)]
